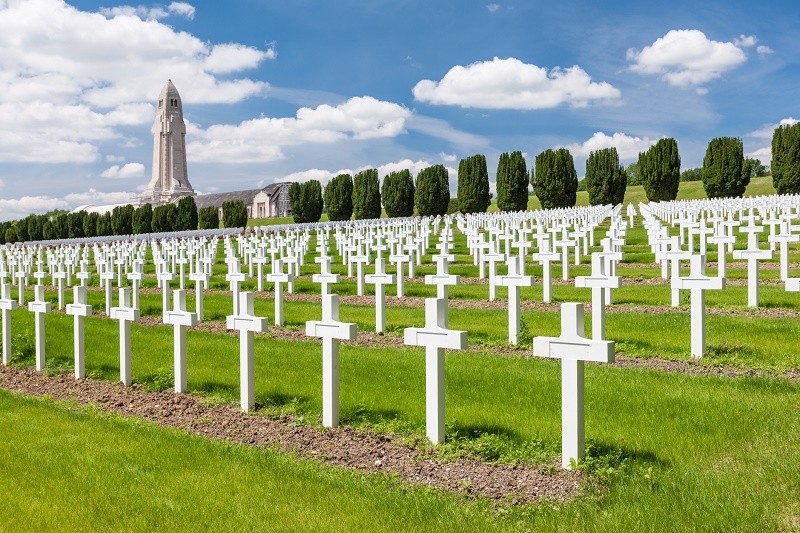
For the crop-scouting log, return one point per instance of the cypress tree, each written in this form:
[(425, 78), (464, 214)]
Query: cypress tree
[(142, 219), (605, 178), (208, 218), (432, 195), (76, 224), (295, 201), (786, 159), (366, 195), (186, 214), (122, 220), (397, 193), (660, 170), (234, 214), (103, 225), (724, 174), (311, 200), (512, 182), (11, 235), (22, 230), (90, 224), (164, 218), (339, 198), (473, 185), (555, 181)]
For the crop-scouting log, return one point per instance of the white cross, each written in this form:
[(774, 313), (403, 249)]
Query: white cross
[(247, 324), (106, 276), (573, 348), (260, 260), (279, 278), (135, 276), (6, 306), (331, 331), (598, 281), (545, 256), (435, 337), (493, 258), (125, 314), (79, 311), (697, 282), (180, 319), (442, 279), (60, 276), (783, 239), (359, 260), (39, 307), (325, 278), (22, 279), (201, 279), (235, 277), (380, 279), (675, 255), (513, 281), (398, 260), (753, 254)]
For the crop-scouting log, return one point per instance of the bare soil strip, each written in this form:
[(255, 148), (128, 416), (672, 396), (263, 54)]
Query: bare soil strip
[(343, 447)]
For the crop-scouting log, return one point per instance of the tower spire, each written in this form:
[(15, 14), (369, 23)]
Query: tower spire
[(170, 179)]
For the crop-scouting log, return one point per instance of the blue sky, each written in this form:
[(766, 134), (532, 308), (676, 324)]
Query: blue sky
[(276, 90)]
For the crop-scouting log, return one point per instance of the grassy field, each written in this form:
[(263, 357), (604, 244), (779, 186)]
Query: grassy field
[(668, 451)]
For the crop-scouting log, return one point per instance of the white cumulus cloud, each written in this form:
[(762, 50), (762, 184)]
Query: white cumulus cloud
[(16, 208), (627, 147), (687, 57), (765, 131), (182, 8), (261, 139), (511, 84), (763, 50), (128, 170)]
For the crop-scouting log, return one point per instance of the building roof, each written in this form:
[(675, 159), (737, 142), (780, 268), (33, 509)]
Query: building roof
[(216, 199)]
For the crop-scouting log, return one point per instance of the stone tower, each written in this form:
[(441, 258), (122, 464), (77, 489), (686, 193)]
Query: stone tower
[(170, 180)]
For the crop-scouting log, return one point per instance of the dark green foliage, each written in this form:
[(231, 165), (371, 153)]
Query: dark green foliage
[(34, 224), (754, 167), (660, 170), (473, 185), (339, 198), (397, 193), (104, 227), (90, 224), (555, 181), (692, 174), (452, 206), (22, 230), (164, 217), (122, 220), (143, 219), (786, 159), (3, 228), (75, 221), (512, 182), (723, 167), (10, 235), (582, 185), (366, 195), (432, 195), (234, 214), (208, 218), (186, 218), (305, 200), (61, 226), (632, 171), (49, 231), (605, 178)]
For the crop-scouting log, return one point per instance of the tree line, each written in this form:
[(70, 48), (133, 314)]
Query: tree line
[(123, 220)]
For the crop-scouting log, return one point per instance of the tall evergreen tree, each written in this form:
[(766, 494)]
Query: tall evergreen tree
[(339, 198), (90, 224), (473, 185), (605, 177), (432, 195), (208, 218), (104, 228), (512, 182), (164, 218), (397, 193), (295, 201), (142, 219), (786, 159), (122, 220), (76, 224), (186, 211), (724, 174), (660, 170), (234, 214), (555, 181), (366, 195)]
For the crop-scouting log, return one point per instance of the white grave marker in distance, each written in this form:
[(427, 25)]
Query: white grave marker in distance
[(180, 319), (435, 337), (698, 283), (598, 281), (247, 324), (79, 311), (513, 280), (573, 348), (279, 278), (331, 331), (125, 314), (752, 254), (380, 279)]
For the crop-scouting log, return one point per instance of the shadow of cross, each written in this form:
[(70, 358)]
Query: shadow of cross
[(573, 348), (435, 337), (331, 331), (247, 324), (180, 319)]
